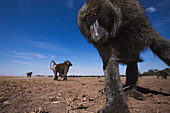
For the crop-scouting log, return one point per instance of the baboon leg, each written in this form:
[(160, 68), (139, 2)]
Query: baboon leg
[(165, 76), (158, 76), (162, 76), (60, 75), (131, 74), (55, 75), (131, 80), (115, 98), (65, 73), (65, 77)]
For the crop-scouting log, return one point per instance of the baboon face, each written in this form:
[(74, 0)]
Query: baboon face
[(93, 22), (68, 63)]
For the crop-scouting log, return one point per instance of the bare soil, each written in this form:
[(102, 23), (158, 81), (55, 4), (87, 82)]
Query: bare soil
[(76, 95)]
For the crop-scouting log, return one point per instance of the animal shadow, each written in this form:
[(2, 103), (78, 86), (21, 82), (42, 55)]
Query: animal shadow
[(147, 91)]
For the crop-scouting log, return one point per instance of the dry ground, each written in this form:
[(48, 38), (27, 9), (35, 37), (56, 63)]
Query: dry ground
[(77, 95)]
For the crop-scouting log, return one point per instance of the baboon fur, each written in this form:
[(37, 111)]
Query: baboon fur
[(120, 31), (29, 74), (164, 73), (61, 68)]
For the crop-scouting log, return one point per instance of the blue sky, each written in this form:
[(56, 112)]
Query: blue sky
[(34, 32)]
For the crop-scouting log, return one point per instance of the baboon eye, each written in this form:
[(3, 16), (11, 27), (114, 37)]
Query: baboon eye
[(94, 13), (87, 18)]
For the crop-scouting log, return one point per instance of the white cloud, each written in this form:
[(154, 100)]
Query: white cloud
[(47, 46), (27, 55), (39, 55), (44, 45), (164, 3), (151, 9), (23, 4), (160, 23), (20, 62), (70, 4), (46, 38), (21, 56), (33, 22), (52, 56)]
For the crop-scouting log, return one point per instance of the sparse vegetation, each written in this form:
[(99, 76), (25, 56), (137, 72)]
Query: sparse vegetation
[(152, 72), (40, 75)]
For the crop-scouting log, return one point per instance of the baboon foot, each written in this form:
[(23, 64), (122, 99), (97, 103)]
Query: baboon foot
[(55, 79), (65, 79), (131, 92), (106, 109), (110, 109)]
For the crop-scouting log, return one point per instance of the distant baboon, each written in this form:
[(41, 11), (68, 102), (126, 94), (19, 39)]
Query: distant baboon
[(164, 73), (29, 74), (120, 31), (62, 69)]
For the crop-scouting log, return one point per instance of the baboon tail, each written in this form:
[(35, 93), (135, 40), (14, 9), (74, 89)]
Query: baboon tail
[(50, 64), (161, 47)]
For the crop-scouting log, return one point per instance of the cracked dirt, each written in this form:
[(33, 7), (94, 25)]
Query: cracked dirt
[(77, 95)]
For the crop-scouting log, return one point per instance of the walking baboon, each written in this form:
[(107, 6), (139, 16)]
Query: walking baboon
[(29, 74), (164, 73), (62, 69), (120, 31)]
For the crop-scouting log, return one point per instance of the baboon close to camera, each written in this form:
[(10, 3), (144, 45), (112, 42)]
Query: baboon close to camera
[(164, 73), (62, 69), (120, 31), (29, 74)]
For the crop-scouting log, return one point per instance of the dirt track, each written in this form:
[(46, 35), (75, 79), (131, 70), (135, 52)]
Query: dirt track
[(77, 95)]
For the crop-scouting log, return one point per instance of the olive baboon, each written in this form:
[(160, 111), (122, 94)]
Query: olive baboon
[(62, 69), (29, 74), (164, 73), (120, 31)]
